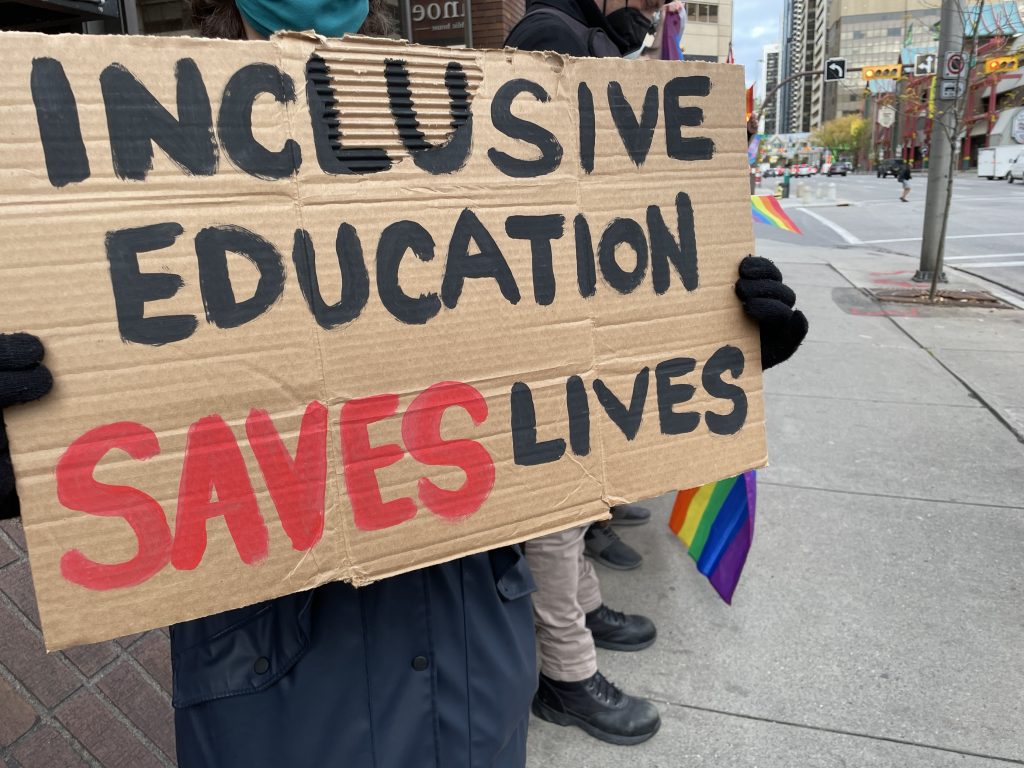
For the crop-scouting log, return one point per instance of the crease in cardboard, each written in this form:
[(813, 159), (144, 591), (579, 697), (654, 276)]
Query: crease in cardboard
[(300, 43), (591, 314)]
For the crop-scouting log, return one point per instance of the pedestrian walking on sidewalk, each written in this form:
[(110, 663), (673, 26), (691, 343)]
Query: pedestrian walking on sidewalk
[(903, 177)]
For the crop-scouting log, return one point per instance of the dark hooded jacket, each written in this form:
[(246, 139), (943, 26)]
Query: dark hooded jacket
[(431, 669), (549, 30)]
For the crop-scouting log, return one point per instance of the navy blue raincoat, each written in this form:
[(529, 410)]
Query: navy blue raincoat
[(434, 668)]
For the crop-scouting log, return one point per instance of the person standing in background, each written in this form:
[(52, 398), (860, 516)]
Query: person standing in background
[(903, 177)]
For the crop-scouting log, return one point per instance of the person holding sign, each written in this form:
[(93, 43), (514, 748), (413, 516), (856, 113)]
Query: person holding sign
[(433, 666), (572, 619)]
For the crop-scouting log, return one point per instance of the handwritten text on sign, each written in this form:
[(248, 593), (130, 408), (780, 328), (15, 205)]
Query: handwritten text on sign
[(515, 236)]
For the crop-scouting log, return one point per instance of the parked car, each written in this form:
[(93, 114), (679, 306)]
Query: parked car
[(839, 169), (805, 170), (889, 167), (1016, 170)]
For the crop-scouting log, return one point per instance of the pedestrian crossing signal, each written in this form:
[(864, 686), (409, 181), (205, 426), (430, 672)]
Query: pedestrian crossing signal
[(882, 72), (1003, 64)]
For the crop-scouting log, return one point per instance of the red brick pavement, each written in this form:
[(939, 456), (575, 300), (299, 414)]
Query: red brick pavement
[(96, 706)]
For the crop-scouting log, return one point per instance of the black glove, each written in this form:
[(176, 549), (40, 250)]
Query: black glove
[(23, 378), (770, 302)]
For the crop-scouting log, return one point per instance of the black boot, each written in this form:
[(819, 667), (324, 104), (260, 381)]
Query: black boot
[(620, 631), (598, 707), (603, 544)]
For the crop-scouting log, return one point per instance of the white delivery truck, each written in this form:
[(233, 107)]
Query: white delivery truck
[(994, 162)]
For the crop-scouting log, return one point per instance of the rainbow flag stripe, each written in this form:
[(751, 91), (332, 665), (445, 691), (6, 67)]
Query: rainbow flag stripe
[(716, 524), (766, 209)]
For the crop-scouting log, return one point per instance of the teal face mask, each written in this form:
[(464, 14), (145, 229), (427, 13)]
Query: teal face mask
[(331, 18)]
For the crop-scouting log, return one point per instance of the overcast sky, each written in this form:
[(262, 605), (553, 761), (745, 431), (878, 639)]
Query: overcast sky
[(755, 25)]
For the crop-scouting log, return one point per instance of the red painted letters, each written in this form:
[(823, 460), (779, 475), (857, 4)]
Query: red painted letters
[(215, 481), (421, 431), (213, 462), (77, 489), (296, 486), (362, 461)]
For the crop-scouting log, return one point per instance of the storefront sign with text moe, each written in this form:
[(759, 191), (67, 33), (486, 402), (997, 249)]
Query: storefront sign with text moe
[(334, 310)]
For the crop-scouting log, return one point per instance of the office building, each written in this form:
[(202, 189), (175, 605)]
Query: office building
[(867, 32), (708, 31)]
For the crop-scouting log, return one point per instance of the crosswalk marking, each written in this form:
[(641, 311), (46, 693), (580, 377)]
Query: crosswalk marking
[(984, 256)]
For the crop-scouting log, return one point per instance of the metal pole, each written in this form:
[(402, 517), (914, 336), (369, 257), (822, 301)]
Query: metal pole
[(777, 88), (940, 171)]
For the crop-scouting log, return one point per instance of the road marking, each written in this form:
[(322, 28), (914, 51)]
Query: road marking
[(993, 265), (984, 256), (848, 236), (948, 237)]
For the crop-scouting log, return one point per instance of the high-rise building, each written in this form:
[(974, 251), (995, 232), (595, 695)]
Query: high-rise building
[(770, 70), (805, 32), (866, 32), (792, 61)]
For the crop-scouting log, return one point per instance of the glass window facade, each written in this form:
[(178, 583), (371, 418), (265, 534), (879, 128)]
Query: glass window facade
[(702, 12)]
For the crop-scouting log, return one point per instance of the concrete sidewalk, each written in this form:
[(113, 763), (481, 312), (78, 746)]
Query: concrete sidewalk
[(880, 621)]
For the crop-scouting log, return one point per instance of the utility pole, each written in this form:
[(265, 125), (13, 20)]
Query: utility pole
[(940, 164)]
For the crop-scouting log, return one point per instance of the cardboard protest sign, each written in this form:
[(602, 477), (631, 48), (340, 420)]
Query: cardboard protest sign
[(336, 310)]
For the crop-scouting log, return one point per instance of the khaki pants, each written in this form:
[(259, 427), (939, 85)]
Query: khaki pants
[(567, 589)]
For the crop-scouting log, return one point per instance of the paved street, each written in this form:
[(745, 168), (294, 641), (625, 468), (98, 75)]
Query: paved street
[(986, 228)]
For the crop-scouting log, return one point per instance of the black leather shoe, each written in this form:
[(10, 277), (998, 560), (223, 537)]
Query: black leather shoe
[(603, 544), (620, 631), (599, 708), (630, 514)]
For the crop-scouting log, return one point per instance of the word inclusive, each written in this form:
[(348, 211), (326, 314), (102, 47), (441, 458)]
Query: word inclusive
[(136, 121), (215, 483)]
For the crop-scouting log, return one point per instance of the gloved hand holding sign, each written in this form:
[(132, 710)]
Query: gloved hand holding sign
[(770, 302), (23, 378)]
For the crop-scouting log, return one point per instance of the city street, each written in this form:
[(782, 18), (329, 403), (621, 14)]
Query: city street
[(986, 225)]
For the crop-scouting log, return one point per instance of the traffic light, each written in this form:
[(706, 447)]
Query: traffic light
[(882, 72), (1002, 64)]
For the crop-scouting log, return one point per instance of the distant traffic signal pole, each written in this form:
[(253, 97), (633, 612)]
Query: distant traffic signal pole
[(944, 137)]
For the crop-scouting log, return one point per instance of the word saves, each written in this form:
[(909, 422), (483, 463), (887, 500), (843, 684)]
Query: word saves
[(215, 481)]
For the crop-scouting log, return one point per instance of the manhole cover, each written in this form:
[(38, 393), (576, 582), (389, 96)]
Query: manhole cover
[(943, 298)]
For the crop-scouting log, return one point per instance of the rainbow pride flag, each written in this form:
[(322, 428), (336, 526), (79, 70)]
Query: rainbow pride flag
[(716, 524), (767, 210)]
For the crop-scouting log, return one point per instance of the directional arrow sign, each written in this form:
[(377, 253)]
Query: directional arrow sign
[(835, 69), (925, 64)]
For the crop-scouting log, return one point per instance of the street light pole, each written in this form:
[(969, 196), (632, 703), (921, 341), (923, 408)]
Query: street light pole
[(779, 86), (940, 158)]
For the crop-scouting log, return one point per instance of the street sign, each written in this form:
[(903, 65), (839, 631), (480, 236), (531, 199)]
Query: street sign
[(954, 65), (835, 69), (886, 116), (925, 63), (951, 89)]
